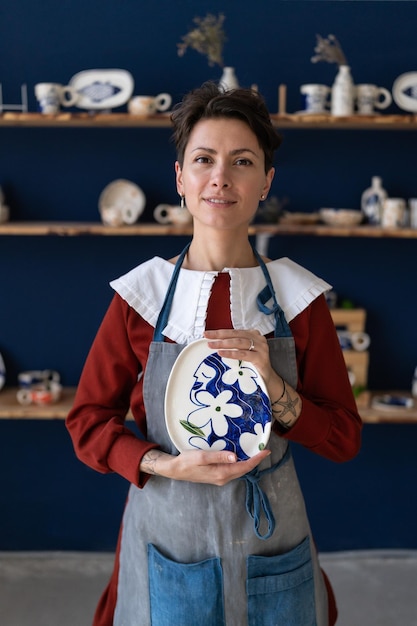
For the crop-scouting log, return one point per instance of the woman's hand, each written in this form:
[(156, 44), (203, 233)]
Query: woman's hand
[(251, 346), (199, 466), (246, 345)]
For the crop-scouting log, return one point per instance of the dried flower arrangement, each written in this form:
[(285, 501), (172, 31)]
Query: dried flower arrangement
[(329, 50), (208, 38)]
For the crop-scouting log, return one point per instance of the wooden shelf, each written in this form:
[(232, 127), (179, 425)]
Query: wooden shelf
[(162, 120), (11, 409), (154, 229)]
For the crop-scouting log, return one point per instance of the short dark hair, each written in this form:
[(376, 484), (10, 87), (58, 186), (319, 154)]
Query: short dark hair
[(211, 101)]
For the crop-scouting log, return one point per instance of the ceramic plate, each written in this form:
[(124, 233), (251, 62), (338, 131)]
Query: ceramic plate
[(341, 217), (123, 197), (2, 372), (216, 403), (102, 89), (404, 91), (392, 403)]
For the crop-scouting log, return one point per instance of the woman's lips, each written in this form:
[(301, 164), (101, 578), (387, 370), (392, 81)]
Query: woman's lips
[(219, 201)]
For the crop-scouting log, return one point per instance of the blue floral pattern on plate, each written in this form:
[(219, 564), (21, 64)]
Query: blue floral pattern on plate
[(214, 403)]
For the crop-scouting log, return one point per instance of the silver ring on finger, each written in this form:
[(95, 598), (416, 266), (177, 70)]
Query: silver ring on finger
[(252, 346)]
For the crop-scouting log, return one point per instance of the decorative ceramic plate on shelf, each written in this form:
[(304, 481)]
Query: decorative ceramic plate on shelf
[(102, 89), (121, 202), (341, 217), (214, 403), (392, 403), (404, 91)]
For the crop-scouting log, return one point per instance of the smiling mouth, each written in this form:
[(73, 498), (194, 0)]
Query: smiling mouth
[(219, 201)]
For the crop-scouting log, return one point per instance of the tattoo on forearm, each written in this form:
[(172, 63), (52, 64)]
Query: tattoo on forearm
[(149, 462), (286, 406)]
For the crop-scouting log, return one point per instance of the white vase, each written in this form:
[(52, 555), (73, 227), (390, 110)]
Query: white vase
[(343, 93), (228, 80), (372, 201)]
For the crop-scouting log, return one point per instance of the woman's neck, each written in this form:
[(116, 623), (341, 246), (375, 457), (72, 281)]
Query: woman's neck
[(218, 253)]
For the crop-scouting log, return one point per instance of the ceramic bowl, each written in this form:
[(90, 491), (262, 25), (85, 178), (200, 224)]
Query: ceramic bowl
[(341, 217)]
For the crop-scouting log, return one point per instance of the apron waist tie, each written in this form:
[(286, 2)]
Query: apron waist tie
[(257, 500)]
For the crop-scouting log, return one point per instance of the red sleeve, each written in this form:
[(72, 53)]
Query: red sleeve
[(329, 423), (108, 386)]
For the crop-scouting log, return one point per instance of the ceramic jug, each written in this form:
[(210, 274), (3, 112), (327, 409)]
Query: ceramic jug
[(343, 93)]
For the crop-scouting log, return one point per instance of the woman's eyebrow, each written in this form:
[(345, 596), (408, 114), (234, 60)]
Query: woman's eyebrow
[(232, 152)]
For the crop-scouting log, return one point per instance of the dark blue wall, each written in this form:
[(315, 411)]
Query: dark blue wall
[(55, 290)]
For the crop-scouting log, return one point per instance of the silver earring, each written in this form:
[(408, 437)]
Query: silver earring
[(182, 203), (263, 196)]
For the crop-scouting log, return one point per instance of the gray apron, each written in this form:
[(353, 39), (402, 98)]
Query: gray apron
[(201, 555)]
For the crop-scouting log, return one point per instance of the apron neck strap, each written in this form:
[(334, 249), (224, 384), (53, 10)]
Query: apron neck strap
[(268, 293), (166, 307)]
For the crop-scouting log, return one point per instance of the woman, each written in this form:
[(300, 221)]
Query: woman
[(207, 539)]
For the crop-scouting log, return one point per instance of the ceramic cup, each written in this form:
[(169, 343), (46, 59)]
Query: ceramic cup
[(170, 214), (43, 393), (51, 96), (4, 213), (149, 105), (370, 97), (412, 205), (36, 377), (357, 341), (315, 98), (393, 212)]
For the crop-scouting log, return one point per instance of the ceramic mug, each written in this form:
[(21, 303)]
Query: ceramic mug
[(369, 97), (37, 377), (51, 96), (358, 341), (149, 105), (4, 213), (43, 393), (315, 98), (170, 214), (412, 204), (393, 212)]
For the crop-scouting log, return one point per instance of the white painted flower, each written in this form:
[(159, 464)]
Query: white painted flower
[(244, 376), (216, 408), (251, 443), (202, 444)]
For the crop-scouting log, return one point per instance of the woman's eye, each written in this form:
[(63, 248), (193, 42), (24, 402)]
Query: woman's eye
[(202, 159), (243, 162)]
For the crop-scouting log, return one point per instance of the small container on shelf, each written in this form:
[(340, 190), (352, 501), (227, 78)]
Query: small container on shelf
[(372, 201)]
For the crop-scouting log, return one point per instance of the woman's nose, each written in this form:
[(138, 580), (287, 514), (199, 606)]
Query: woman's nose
[(220, 176)]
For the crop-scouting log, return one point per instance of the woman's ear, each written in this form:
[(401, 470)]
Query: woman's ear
[(268, 181), (178, 175)]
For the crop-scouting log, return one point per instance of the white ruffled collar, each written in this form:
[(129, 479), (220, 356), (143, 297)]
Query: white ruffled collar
[(144, 289)]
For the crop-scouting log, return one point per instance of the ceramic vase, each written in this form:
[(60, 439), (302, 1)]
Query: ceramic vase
[(343, 93), (228, 80)]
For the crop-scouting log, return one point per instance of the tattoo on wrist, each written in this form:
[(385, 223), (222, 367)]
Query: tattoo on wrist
[(149, 460), (286, 408)]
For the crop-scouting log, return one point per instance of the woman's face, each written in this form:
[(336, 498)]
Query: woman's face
[(223, 173)]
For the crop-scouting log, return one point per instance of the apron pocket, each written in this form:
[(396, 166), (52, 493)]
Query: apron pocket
[(187, 594), (281, 588)]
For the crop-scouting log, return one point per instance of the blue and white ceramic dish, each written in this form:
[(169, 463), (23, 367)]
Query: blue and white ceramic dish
[(392, 403), (213, 403), (102, 89), (404, 91)]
